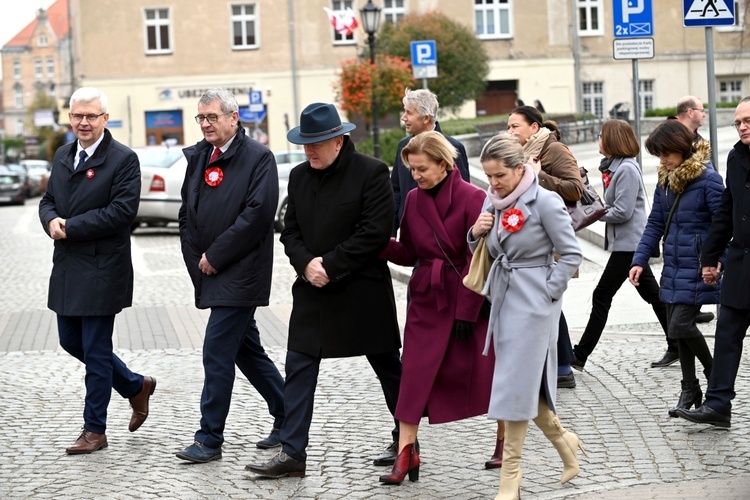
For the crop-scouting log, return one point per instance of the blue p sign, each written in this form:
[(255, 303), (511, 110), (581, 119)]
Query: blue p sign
[(423, 53)]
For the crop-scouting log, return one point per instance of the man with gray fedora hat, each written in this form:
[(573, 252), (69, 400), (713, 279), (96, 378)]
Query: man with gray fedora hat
[(338, 220)]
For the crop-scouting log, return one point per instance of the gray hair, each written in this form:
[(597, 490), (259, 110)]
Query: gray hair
[(425, 101), (89, 94), (505, 149), (228, 101)]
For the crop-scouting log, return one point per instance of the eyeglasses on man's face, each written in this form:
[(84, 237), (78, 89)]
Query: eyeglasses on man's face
[(76, 117), (702, 110), (211, 118), (739, 123)]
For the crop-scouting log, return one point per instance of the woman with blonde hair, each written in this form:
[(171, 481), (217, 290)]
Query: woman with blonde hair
[(525, 226)]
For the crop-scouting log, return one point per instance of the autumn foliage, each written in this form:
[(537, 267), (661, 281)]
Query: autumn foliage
[(391, 75)]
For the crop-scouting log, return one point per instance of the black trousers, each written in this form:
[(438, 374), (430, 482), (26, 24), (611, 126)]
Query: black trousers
[(731, 329), (299, 395), (614, 275)]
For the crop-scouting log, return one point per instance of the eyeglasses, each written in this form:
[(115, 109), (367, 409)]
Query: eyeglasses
[(739, 123), (75, 117), (211, 118), (702, 110)]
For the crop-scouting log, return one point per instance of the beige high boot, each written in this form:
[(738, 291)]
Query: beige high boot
[(566, 443), (510, 474)]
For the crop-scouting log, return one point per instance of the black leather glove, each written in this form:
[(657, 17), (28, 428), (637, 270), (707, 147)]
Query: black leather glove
[(462, 330), (484, 312)]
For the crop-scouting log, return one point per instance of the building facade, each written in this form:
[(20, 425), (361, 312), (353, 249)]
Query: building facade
[(156, 59)]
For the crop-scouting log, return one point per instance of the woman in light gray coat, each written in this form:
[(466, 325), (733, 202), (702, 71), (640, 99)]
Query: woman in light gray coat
[(625, 199), (525, 226)]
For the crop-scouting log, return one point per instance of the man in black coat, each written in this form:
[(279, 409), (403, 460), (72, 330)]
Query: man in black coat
[(338, 221), (229, 200), (730, 226), (420, 115), (91, 201)]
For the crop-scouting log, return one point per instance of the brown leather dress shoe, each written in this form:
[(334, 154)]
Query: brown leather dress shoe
[(87, 442), (139, 403)]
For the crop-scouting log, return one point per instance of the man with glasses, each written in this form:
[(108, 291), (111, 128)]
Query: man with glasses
[(229, 200), (729, 227), (691, 113), (91, 201)]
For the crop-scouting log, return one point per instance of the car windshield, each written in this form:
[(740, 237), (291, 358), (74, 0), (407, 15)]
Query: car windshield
[(8, 179), (158, 157)]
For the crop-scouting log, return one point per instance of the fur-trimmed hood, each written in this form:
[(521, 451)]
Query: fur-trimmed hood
[(688, 171)]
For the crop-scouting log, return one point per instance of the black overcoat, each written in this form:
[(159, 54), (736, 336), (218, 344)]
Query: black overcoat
[(231, 222), (731, 224), (344, 215), (92, 271)]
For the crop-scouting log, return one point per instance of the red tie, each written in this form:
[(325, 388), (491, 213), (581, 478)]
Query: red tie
[(215, 155)]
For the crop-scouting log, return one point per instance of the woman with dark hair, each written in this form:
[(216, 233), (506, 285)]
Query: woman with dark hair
[(687, 196), (557, 170), (444, 377), (625, 199), (539, 106)]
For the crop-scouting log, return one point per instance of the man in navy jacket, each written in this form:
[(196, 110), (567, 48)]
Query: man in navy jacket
[(91, 201), (229, 200)]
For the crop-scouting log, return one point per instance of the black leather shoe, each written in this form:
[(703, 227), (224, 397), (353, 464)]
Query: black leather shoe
[(199, 453), (566, 381), (281, 465), (272, 441), (704, 317), (669, 358), (577, 364), (705, 415)]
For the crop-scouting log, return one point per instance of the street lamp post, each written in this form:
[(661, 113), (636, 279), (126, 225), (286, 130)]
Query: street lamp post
[(370, 15)]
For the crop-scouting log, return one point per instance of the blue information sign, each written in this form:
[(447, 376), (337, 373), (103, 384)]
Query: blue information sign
[(705, 13), (633, 18), (424, 59)]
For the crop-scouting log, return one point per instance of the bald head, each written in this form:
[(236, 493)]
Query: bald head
[(690, 112)]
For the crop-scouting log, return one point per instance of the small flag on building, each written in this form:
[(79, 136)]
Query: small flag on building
[(343, 22)]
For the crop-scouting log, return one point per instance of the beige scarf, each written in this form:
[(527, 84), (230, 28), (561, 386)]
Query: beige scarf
[(535, 143)]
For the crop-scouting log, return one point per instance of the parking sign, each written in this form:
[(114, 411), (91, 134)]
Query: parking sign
[(633, 18), (424, 59)]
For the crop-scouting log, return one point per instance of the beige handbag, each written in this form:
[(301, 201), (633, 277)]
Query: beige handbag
[(479, 268)]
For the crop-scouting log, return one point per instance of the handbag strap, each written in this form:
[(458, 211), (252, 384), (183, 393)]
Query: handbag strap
[(671, 213), (445, 254)]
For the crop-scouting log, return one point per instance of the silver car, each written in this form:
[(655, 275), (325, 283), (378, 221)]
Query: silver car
[(162, 174), (285, 162)]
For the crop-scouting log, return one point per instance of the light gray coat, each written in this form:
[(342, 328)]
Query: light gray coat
[(625, 200), (525, 287)]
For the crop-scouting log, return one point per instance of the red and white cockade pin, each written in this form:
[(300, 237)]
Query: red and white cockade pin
[(90, 173), (213, 176)]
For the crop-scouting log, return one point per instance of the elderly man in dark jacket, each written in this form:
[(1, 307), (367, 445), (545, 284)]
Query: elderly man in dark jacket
[(229, 199), (91, 201), (730, 226), (338, 220)]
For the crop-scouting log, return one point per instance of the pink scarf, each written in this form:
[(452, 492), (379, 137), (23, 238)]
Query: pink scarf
[(503, 203)]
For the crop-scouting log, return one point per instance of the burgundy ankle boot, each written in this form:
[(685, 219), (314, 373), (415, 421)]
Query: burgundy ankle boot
[(407, 462), (497, 458)]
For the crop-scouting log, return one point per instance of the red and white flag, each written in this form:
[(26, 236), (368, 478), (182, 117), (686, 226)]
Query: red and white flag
[(343, 22)]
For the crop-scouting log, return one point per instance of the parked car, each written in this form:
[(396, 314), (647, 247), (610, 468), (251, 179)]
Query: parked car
[(285, 162), (28, 189), (12, 189), (38, 171), (162, 174)]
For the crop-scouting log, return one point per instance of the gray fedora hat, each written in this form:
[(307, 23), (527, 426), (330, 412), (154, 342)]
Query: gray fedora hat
[(318, 122)]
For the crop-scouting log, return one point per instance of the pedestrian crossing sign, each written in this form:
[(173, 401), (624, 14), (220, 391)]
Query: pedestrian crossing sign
[(706, 13)]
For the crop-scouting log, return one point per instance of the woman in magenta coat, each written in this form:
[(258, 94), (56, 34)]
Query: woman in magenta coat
[(445, 377)]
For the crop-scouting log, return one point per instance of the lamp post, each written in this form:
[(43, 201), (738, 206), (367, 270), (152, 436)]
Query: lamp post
[(370, 15)]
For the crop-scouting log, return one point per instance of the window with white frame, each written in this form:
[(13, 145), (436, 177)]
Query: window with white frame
[(50, 67), (18, 96), (42, 40), (244, 21), (393, 11), (19, 126), (157, 31), (739, 18), (492, 19), (38, 67), (590, 17), (730, 90), (593, 98), (16, 69), (339, 8), (646, 95)]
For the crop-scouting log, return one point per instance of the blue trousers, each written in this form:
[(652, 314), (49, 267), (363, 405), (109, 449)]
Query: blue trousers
[(232, 337), (731, 328), (89, 340), (299, 395)]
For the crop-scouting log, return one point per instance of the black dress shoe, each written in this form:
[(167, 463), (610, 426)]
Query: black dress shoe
[(281, 465), (669, 358), (199, 453), (704, 317), (272, 441), (566, 381), (577, 364), (705, 415)]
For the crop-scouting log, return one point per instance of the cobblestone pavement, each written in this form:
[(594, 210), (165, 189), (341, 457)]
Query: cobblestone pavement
[(619, 408)]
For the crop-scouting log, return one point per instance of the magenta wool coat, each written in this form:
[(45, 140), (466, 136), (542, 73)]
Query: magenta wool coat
[(443, 378)]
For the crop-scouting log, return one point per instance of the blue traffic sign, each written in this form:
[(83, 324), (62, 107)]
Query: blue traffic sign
[(423, 53), (706, 13), (633, 18), (248, 116), (256, 97)]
